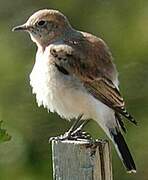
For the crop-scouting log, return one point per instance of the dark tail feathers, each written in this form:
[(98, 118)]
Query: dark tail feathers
[(123, 151)]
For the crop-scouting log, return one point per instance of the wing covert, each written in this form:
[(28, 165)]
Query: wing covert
[(89, 73)]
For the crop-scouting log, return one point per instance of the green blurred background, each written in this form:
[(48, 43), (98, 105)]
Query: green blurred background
[(124, 26)]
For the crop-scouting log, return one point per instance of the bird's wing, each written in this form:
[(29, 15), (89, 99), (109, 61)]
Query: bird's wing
[(104, 90), (88, 71)]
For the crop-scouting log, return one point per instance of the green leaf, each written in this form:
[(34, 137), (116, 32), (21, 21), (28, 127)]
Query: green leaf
[(4, 136)]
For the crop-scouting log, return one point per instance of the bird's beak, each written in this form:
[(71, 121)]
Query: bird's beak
[(23, 27)]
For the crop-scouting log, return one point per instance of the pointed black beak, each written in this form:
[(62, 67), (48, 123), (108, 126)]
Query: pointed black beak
[(21, 28)]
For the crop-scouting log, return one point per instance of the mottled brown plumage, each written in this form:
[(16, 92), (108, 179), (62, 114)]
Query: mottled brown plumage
[(89, 59)]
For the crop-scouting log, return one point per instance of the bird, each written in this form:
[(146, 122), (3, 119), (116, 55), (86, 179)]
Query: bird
[(74, 75)]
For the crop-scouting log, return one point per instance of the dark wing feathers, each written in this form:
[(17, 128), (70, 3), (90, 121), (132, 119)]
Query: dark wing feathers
[(119, 121), (124, 112), (102, 91), (107, 93)]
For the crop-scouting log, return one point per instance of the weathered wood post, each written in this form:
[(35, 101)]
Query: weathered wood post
[(81, 160)]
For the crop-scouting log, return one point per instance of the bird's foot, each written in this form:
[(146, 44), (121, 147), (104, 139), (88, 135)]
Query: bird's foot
[(76, 135), (75, 132), (60, 138)]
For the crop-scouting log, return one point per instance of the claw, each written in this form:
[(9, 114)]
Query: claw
[(78, 135), (75, 132)]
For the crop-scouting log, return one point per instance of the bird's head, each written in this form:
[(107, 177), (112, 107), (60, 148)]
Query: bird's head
[(46, 26)]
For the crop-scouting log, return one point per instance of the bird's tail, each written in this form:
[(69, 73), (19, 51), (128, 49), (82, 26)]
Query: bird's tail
[(123, 150)]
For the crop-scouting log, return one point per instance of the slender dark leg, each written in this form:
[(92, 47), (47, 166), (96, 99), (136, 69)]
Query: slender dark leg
[(75, 132), (75, 124), (79, 128), (67, 135), (79, 134)]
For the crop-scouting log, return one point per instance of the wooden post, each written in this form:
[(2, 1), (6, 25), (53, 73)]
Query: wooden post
[(81, 160)]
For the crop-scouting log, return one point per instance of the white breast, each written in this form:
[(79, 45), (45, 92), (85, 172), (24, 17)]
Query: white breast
[(58, 92), (65, 94)]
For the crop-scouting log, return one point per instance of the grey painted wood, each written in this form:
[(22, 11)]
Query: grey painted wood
[(81, 160)]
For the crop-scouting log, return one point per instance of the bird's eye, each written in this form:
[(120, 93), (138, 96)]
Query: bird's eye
[(41, 23)]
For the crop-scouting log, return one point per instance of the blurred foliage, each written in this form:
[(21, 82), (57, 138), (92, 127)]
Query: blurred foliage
[(4, 136), (124, 26)]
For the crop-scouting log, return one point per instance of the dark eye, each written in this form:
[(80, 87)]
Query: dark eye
[(41, 23)]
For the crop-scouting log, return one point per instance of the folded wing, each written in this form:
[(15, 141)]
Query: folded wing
[(90, 70)]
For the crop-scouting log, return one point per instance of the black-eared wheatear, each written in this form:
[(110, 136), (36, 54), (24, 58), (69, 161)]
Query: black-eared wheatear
[(74, 76)]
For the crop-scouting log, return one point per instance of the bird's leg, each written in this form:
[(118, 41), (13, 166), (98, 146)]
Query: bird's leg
[(67, 135), (75, 132), (75, 124), (81, 126), (79, 134)]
